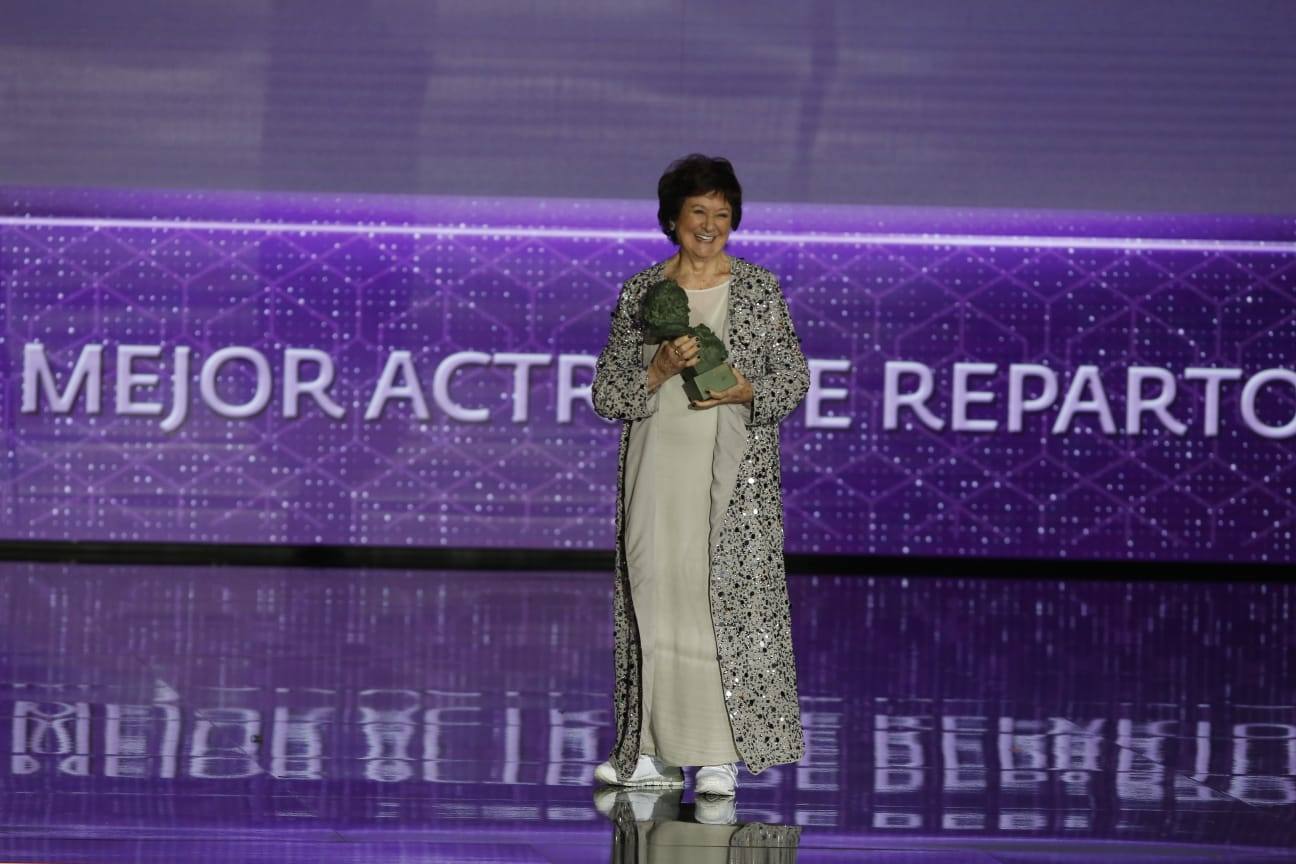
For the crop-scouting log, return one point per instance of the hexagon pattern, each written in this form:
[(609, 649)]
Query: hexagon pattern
[(360, 278)]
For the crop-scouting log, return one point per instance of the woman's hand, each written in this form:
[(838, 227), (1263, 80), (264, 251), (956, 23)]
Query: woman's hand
[(739, 394), (672, 357)]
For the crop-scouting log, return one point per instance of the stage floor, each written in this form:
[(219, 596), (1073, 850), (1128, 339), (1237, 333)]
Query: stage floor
[(249, 715)]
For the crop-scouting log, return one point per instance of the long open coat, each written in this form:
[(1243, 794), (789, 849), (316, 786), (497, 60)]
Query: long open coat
[(749, 602)]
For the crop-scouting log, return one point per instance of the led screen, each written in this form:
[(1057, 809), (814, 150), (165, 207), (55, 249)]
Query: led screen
[(302, 370)]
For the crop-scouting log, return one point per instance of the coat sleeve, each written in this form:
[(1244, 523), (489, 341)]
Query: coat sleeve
[(620, 387), (786, 378)]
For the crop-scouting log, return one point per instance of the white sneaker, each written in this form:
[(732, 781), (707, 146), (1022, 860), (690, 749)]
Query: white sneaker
[(716, 780), (650, 772)]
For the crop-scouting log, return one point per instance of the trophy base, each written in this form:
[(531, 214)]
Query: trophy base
[(716, 378)]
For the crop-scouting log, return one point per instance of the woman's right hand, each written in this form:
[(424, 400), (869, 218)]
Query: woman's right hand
[(672, 357)]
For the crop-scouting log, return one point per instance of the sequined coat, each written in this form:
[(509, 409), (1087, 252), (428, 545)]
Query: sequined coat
[(749, 601)]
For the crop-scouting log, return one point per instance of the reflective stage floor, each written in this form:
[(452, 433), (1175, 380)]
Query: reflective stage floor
[(246, 715)]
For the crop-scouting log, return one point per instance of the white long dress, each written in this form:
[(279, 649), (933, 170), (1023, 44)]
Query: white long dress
[(668, 501)]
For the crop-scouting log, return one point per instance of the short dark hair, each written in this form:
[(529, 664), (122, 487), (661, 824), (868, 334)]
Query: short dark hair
[(696, 174)]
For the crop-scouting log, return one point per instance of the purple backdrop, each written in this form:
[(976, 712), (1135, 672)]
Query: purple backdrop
[(513, 456)]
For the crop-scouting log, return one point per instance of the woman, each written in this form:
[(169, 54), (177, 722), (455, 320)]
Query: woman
[(703, 661)]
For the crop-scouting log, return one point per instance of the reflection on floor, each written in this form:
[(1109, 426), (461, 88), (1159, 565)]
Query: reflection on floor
[(221, 715)]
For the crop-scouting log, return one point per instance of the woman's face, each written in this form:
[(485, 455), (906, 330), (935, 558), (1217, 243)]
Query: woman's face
[(703, 224)]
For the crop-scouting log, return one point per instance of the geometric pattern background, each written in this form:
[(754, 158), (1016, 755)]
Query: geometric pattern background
[(359, 277)]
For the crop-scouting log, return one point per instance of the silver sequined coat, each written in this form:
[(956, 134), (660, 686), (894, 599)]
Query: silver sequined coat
[(749, 601)]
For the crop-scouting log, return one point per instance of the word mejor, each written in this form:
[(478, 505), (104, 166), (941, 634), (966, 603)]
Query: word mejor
[(306, 374)]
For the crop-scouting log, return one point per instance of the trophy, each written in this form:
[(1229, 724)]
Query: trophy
[(665, 315)]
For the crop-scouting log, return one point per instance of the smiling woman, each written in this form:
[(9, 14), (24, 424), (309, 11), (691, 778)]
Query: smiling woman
[(704, 668), (699, 201)]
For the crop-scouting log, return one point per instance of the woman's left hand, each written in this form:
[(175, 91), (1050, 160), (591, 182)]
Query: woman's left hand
[(739, 394)]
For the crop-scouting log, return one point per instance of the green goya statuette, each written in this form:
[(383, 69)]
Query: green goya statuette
[(665, 315)]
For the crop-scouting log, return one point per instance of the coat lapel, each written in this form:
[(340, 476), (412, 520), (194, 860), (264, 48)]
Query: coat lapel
[(738, 323), (731, 425)]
